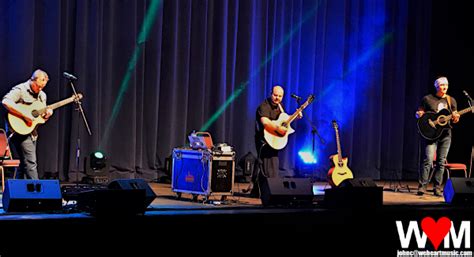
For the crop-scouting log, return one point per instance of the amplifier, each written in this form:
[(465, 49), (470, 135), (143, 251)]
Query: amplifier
[(201, 172)]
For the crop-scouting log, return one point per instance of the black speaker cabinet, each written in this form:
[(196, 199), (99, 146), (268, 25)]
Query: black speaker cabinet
[(286, 191), (354, 193), (25, 195), (459, 190), (112, 202), (130, 184)]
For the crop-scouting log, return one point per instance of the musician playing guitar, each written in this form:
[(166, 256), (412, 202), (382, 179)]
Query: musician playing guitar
[(269, 110), (24, 94), (430, 105)]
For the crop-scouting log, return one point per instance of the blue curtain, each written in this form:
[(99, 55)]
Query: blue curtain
[(209, 64)]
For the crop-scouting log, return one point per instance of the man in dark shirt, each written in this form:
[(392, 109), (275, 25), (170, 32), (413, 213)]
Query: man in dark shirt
[(267, 162), (268, 111), (435, 103)]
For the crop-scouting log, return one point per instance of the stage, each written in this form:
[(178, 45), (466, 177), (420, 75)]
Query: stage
[(237, 223)]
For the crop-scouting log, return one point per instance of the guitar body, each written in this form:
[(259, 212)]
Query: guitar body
[(339, 172), (431, 125), (19, 125), (276, 141), (36, 109)]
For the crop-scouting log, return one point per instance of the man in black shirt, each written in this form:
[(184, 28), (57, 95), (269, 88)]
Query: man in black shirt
[(435, 103), (267, 162), (268, 111)]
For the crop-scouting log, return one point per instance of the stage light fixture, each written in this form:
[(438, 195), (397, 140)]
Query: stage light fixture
[(306, 165), (98, 161), (96, 168)]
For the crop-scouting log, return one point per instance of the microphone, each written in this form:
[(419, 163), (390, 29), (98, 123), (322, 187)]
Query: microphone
[(69, 76), (296, 97), (467, 95)]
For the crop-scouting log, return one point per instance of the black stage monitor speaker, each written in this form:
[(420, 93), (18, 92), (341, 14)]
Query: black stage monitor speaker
[(133, 184), (26, 195), (459, 190), (286, 191), (354, 193), (122, 198), (112, 202)]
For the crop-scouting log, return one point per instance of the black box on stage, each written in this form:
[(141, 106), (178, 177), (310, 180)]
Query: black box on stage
[(459, 191), (354, 193), (202, 172), (112, 202), (27, 195), (286, 191), (134, 184)]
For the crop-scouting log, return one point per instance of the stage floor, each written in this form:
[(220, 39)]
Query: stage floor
[(394, 193), (233, 224)]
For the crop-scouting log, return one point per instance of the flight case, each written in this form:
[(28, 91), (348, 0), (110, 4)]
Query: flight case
[(202, 172)]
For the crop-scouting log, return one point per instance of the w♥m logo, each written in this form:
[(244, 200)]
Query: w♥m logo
[(443, 230), (436, 231)]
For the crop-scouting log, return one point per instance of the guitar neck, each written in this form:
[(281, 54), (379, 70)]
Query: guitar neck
[(468, 109), (57, 104), (339, 152), (298, 111), (461, 112), (294, 115)]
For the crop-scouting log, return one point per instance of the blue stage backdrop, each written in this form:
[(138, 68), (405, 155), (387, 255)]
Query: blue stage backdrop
[(153, 71)]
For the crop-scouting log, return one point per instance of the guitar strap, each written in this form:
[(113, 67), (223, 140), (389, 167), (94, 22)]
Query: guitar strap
[(281, 108), (448, 98)]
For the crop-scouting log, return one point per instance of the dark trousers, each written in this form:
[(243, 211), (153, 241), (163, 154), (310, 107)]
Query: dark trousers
[(25, 148)]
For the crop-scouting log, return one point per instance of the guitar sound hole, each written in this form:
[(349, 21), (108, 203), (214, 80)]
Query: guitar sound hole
[(35, 113)]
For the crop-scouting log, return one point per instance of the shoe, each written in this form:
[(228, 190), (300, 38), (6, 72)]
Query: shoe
[(436, 192), (421, 190)]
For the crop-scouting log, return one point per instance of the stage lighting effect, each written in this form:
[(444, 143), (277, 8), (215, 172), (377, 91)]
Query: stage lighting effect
[(307, 157), (267, 59), (306, 165), (148, 22)]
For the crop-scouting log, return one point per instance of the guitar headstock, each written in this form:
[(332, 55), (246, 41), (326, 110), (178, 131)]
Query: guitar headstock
[(334, 124), (308, 101), (78, 97)]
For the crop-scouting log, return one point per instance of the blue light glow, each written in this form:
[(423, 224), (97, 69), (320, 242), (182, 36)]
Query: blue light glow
[(307, 157)]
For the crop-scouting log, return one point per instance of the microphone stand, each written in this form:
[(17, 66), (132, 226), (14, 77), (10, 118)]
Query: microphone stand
[(314, 130), (78, 140)]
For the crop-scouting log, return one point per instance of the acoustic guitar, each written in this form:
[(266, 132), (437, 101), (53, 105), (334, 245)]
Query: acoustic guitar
[(37, 109), (339, 172), (279, 141), (431, 125)]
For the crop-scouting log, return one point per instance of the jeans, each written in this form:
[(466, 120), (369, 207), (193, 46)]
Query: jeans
[(441, 147), (26, 149)]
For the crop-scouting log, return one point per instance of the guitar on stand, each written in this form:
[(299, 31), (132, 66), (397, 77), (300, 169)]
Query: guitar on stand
[(339, 172), (278, 142)]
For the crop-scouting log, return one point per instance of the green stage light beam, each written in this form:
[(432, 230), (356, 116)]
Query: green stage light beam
[(148, 22), (243, 85)]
